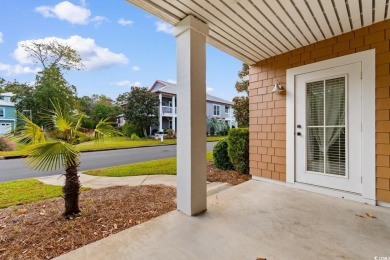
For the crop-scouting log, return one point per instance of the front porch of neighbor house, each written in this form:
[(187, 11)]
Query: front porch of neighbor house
[(255, 220)]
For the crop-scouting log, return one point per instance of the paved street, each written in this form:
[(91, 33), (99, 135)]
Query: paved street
[(15, 169)]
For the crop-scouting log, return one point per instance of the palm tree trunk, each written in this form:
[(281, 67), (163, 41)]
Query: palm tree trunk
[(71, 191)]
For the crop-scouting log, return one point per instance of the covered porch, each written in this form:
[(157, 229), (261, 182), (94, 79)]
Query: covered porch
[(255, 220)]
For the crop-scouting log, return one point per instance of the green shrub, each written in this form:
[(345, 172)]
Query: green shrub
[(135, 137), (128, 129), (221, 157), (238, 148)]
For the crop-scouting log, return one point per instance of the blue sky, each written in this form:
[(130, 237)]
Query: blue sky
[(120, 44)]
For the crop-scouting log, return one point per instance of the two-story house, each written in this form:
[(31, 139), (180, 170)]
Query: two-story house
[(215, 107), (166, 91), (7, 113)]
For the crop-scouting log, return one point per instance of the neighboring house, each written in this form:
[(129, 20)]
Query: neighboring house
[(215, 107), (319, 92), (7, 113)]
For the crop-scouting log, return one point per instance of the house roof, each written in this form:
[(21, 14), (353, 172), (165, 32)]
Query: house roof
[(170, 88), (255, 30), (7, 94), (5, 103)]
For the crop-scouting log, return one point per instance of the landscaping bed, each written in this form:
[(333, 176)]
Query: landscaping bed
[(37, 230), (230, 176)]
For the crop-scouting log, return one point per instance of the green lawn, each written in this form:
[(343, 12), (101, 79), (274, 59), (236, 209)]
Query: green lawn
[(155, 167), (114, 143), (25, 191)]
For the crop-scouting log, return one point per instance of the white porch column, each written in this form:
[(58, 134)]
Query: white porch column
[(160, 113), (173, 113), (191, 92)]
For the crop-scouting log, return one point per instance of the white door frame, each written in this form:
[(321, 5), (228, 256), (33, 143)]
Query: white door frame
[(367, 60)]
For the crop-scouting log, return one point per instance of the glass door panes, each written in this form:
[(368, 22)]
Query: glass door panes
[(325, 122)]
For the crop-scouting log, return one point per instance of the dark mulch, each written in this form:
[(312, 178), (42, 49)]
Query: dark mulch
[(233, 177), (37, 230)]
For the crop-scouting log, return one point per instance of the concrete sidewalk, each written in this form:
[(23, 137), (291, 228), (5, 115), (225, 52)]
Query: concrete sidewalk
[(255, 220), (97, 182)]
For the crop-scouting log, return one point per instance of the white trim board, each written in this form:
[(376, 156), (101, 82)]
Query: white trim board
[(367, 61)]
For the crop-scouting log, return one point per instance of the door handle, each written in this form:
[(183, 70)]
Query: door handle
[(299, 134)]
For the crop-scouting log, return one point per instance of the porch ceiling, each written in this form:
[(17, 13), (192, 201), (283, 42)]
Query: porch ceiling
[(253, 30)]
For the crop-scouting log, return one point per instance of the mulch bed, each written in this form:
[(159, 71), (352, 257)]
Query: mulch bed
[(232, 177), (37, 231)]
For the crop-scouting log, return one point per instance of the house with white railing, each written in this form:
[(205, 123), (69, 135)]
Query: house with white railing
[(166, 91)]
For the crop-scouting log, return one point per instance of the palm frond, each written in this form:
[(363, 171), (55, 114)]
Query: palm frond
[(104, 128), (28, 132), (52, 156)]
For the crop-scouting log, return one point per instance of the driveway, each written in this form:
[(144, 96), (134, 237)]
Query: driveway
[(15, 169), (255, 220)]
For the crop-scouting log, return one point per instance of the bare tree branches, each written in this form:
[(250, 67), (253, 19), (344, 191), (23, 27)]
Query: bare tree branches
[(53, 53)]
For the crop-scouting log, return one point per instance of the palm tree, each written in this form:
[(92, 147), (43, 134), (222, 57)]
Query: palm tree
[(47, 155)]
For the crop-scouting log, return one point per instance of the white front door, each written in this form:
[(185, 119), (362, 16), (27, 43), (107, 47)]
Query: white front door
[(328, 128)]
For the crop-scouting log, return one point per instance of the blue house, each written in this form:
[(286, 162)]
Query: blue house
[(7, 113)]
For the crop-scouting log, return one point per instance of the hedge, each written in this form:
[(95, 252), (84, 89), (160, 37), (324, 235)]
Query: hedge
[(238, 148), (221, 157)]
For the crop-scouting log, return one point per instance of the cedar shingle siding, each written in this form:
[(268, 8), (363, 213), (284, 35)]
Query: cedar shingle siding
[(268, 111)]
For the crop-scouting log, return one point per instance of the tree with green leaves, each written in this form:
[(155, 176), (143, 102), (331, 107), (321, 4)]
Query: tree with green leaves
[(142, 108), (241, 103), (97, 107), (47, 155), (50, 82)]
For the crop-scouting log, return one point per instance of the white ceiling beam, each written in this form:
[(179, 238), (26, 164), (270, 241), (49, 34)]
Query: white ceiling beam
[(331, 15), (342, 11), (296, 39), (304, 10), (380, 8), (300, 23), (367, 12), (227, 32), (236, 24), (262, 21), (320, 17), (257, 27), (156, 11), (354, 9), (170, 8)]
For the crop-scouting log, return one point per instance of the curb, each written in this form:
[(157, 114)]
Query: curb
[(98, 150)]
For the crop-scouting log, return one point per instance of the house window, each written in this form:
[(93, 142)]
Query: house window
[(216, 110), (227, 109), (2, 112)]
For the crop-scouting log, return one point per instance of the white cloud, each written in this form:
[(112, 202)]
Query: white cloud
[(1, 37), (125, 22), (136, 68), (208, 89), (69, 12), (164, 27), (10, 70), (93, 56), (126, 83), (172, 81)]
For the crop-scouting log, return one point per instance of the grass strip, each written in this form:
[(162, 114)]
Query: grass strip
[(155, 167), (25, 191)]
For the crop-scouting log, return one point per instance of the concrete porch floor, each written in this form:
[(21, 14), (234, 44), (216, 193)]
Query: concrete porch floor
[(252, 220)]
